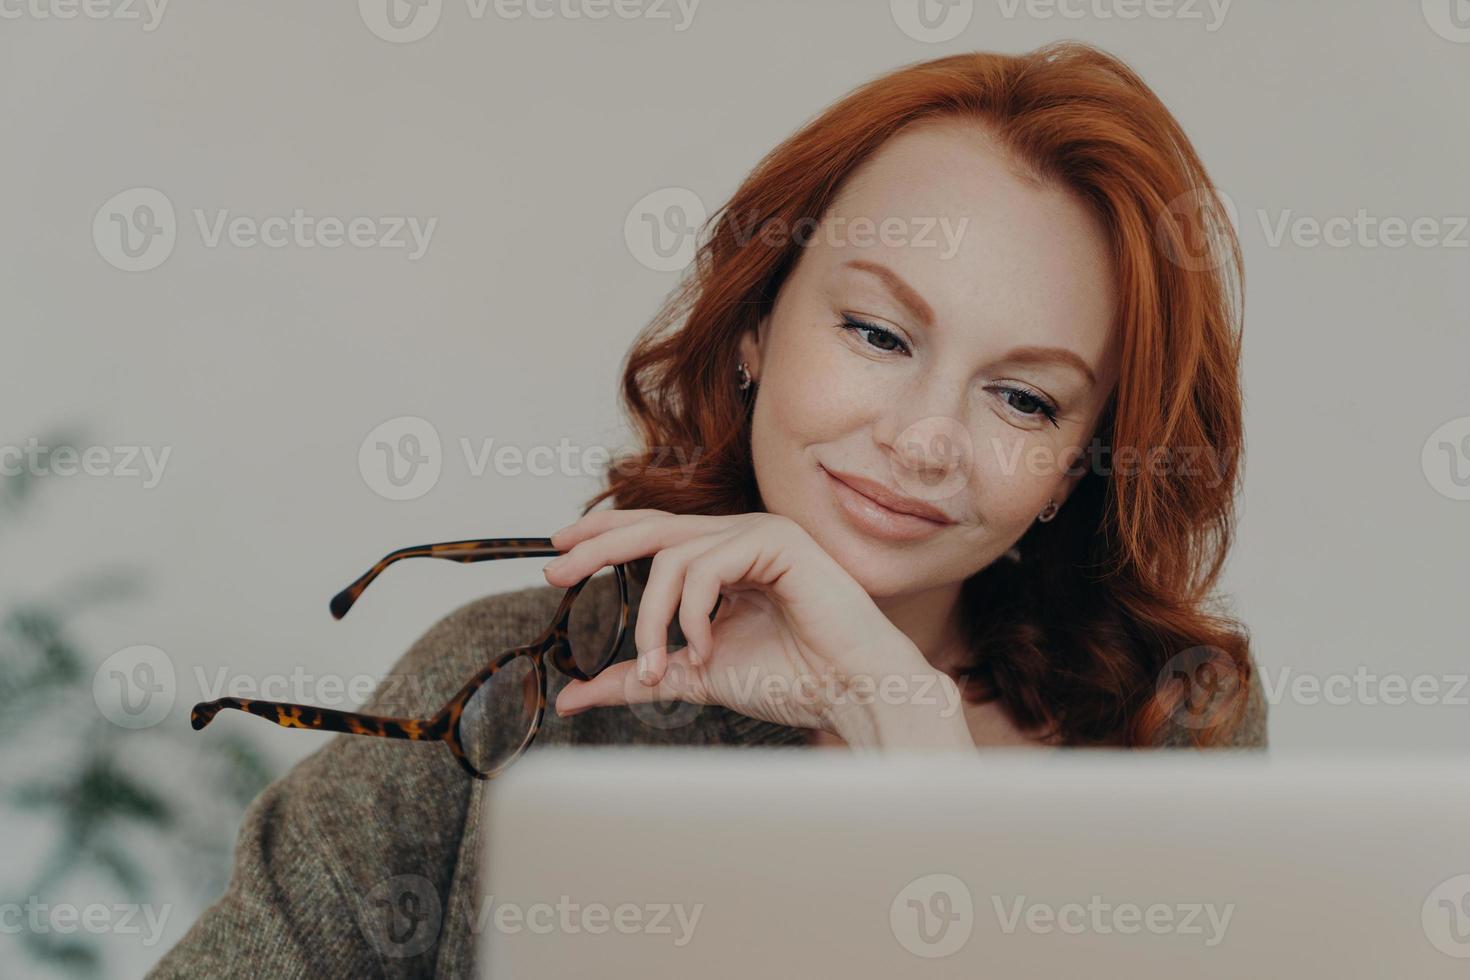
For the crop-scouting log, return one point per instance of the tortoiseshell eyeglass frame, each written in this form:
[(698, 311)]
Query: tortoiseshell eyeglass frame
[(444, 726)]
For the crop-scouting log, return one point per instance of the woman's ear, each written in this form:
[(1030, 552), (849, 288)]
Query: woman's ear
[(750, 348)]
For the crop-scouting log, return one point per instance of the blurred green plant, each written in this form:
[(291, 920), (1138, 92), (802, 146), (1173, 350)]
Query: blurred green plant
[(75, 775)]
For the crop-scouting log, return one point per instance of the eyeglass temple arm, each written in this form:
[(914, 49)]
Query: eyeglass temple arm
[(321, 719), (482, 549)]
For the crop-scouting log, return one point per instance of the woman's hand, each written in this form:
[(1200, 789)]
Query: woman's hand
[(797, 641)]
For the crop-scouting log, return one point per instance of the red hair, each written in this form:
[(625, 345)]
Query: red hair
[(1082, 637)]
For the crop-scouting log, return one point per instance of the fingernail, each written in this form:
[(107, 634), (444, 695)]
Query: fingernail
[(643, 671)]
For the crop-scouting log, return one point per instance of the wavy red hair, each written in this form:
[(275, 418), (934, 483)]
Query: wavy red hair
[(1081, 638)]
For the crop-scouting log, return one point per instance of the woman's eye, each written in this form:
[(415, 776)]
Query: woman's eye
[(886, 340), (1026, 403)]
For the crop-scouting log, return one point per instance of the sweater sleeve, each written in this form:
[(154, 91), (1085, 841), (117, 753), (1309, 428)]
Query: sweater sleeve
[(344, 866)]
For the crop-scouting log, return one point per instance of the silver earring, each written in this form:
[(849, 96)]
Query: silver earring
[(1048, 512), (744, 372)]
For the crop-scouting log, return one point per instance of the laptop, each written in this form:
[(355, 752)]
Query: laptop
[(763, 863)]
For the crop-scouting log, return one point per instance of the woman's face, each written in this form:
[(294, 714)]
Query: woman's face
[(943, 308)]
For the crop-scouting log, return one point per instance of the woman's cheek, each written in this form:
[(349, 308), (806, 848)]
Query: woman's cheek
[(828, 397), (1009, 489)]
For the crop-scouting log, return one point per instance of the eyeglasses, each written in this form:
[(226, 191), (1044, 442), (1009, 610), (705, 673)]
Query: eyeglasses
[(497, 713)]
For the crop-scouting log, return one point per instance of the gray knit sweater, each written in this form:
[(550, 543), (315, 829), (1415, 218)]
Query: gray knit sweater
[(364, 820)]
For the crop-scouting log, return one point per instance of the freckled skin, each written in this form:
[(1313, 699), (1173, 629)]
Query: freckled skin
[(1032, 267), (1023, 264)]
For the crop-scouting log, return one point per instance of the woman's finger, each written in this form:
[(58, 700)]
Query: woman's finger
[(662, 593), (601, 542), (594, 523), (619, 684), (578, 557), (708, 575), (629, 541)]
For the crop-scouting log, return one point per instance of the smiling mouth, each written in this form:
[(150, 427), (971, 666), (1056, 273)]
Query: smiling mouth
[(877, 519), (877, 497)]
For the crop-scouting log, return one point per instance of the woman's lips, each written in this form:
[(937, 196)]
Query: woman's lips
[(875, 519)]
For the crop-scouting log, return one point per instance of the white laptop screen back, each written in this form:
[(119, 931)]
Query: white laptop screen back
[(624, 863)]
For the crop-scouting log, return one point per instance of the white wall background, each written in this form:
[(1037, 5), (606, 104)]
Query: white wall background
[(529, 141)]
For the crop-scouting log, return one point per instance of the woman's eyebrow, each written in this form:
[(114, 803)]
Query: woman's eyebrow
[(902, 291), (910, 298), (1049, 355)]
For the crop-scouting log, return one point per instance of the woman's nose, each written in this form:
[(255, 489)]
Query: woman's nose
[(933, 446), (930, 444)]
